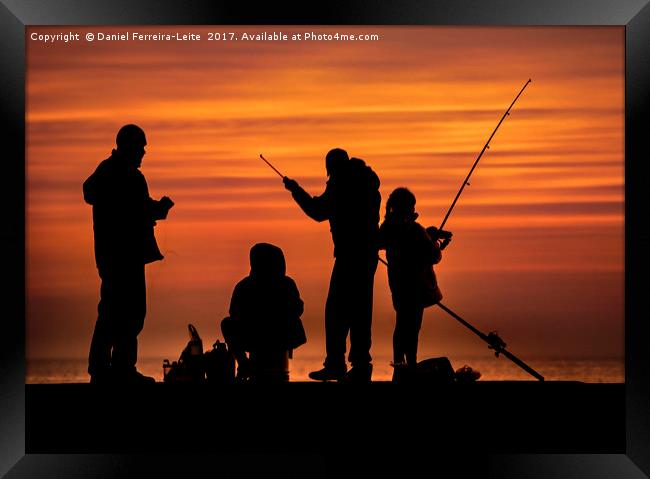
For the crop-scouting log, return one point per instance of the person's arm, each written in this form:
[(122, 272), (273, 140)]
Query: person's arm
[(156, 209), (90, 190), (93, 187), (437, 253), (382, 235), (296, 304), (233, 329), (316, 207), (430, 247), (295, 308), (237, 302)]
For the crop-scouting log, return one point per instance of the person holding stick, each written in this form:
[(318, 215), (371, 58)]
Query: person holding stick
[(350, 203)]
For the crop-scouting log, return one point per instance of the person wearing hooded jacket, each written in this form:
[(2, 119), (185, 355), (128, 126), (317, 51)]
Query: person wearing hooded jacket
[(411, 251), (264, 320), (350, 203), (124, 216)]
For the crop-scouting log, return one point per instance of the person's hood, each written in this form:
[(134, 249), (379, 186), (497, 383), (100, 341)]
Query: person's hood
[(357, 171), (96, 182), (90, 190), (267, 261)]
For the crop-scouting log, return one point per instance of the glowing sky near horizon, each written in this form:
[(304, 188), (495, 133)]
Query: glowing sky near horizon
[(538, 235)]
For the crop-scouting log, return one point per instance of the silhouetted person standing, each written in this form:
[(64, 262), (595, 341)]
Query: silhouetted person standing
[(351, 204), (411, 253), (264, 320), (124, 216)]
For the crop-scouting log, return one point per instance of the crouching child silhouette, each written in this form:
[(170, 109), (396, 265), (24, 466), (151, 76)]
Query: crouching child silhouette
[(264, 320), (411, 253)]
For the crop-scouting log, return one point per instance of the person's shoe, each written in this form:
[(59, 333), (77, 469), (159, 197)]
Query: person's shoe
[(101, 378), (402, 373), (327, 374), (398, 371), (358, 374), (140, 378), (244, 370)]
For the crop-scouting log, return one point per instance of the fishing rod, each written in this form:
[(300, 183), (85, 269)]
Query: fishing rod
[(486, 147), (494, 342), (274, 168), (446, 235), (492, 339)]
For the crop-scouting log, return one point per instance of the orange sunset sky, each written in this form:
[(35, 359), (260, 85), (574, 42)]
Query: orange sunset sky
[(538, 240)]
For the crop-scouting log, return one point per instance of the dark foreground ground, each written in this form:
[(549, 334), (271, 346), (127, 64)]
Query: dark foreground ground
[(490, 417)]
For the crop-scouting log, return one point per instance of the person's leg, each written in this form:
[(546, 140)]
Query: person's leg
[(101, 345), (336, 327), (398, 337), (131, 312), (413, 325), (99, 356), (270, 365), (359, 287), (232, 333), (399, 350)]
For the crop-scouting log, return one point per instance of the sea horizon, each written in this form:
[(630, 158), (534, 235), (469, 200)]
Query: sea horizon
[(589, 370)]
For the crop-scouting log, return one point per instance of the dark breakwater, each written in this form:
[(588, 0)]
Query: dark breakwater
[(297, 417)]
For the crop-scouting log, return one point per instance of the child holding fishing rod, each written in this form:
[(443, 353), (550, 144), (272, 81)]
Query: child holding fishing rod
[(411, 251)]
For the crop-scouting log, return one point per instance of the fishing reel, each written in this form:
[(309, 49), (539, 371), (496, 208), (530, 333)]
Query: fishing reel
[(440, 235), (496, 343)]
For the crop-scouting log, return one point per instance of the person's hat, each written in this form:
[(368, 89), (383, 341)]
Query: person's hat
[(130, 135), (335, 157)]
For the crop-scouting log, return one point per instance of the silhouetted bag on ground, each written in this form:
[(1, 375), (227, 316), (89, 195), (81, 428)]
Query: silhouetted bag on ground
[(189, 367), (435, 370), (219, 364), (467, 375)]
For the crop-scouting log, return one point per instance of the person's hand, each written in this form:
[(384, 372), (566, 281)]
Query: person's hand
[(445, 242), (432, 231), (290, 184), (440, 237), (166, 203)]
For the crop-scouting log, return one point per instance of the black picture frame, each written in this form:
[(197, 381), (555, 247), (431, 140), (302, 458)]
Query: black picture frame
[(634, 15)]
